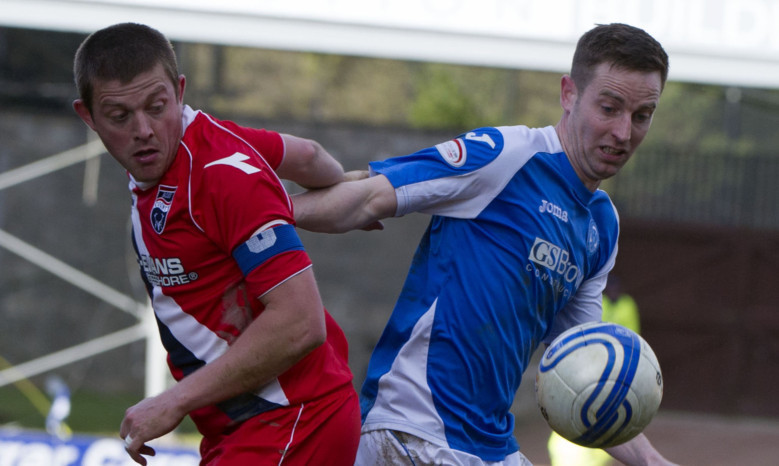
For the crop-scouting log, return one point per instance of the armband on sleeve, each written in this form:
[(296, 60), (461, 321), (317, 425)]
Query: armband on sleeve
[(265, 245)]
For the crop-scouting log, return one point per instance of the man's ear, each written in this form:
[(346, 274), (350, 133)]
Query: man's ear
[(182, 85), (81, 109), (568, 93)]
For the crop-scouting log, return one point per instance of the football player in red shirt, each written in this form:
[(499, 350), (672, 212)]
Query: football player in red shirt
[(260, 364)]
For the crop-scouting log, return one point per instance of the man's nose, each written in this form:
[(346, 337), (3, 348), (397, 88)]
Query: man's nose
[(623, 127), (142, 127)]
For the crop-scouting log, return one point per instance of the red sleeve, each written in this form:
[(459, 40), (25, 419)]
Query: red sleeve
[(275, 271)]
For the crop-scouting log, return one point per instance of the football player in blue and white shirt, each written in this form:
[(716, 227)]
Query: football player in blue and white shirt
[(518, 249)]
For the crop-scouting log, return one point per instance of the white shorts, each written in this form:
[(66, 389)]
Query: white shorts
[(391, 447)]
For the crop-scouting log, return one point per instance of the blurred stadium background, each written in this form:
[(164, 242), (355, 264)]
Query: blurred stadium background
[(699, 203)]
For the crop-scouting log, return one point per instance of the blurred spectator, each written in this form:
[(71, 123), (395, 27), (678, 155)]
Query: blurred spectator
[(60, 407)]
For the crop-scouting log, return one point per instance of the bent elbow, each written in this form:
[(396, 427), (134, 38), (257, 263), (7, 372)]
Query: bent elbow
[(318, 336), (308, 153), (313, 336)]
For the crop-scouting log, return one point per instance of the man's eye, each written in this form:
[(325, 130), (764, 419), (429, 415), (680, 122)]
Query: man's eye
[(156, 108), (642, 117)]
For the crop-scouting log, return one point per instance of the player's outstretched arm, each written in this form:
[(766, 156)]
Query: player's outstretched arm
[(346, 206), (308, 164), (638, 452)]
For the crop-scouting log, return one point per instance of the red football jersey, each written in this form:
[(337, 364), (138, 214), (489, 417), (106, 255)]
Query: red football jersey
[(215, 234)]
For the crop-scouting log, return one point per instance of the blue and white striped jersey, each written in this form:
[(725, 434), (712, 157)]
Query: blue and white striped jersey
[(517, 251)]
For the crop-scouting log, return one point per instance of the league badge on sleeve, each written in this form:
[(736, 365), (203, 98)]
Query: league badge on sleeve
[(162, 204), (453, 152)]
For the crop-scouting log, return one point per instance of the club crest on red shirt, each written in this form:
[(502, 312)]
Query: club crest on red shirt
[(162, 204)]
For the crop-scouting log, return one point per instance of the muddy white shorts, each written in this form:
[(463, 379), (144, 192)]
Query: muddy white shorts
[(394, 448)]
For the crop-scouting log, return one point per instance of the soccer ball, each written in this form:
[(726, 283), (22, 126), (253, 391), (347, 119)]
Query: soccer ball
[(599, 384)]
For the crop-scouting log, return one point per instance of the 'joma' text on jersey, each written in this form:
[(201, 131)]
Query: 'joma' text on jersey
[(557, 211)]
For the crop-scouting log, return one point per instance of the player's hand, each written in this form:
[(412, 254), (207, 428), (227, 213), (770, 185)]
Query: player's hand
[(148, 420), (135, 449), (356, 175)]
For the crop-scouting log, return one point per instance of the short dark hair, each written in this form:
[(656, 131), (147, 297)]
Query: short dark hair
[(121, 52), (623, 46)]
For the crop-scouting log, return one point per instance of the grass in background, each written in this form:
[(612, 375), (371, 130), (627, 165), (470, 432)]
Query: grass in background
[(90, 413)]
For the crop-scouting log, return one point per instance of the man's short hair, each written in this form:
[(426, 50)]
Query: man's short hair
[(121, 52), (626, 47)]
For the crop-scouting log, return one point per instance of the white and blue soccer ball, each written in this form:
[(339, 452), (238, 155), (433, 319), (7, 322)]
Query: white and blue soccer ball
[(599, 384)]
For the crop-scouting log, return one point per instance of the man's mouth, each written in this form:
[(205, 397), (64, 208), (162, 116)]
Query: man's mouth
[(611, 151), (145, 154), (613, 155)]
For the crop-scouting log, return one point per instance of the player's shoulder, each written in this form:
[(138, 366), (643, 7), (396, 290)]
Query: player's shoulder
[(207, 138), (482, 145), (534, 140), (210, 142), (213, 139), (221, 163)]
